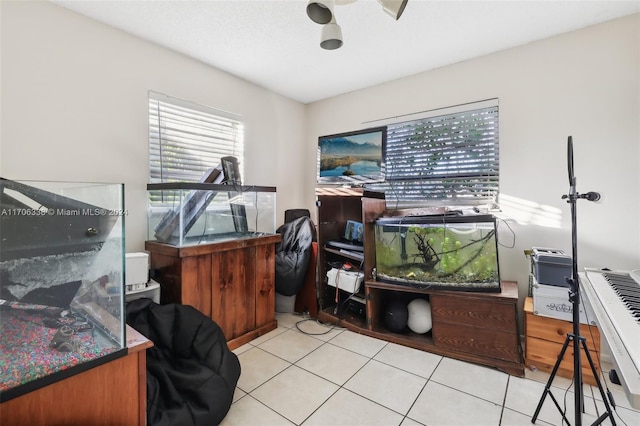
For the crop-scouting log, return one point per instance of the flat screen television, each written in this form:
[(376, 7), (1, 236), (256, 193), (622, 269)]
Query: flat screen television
[(354, 158)]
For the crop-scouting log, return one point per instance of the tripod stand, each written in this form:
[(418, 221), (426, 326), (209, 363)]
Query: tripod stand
[(575, 338)]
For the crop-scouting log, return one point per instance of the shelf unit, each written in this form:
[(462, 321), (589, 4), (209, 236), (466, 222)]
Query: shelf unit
[(335, 207), (478, 327)]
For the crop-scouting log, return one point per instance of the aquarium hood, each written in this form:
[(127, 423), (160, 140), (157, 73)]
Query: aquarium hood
[(36, 222)]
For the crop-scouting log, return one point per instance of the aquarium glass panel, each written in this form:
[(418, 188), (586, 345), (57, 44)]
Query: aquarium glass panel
[(61, 280), (187, 214), (446, 252)]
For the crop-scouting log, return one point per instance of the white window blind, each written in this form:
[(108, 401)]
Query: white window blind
[(450, 159), (187, 139)]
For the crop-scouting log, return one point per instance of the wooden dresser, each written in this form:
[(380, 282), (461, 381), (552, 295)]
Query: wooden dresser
[(544, 338), (232, 282)]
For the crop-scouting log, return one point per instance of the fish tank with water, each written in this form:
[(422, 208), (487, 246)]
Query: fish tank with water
[(449, 252), (61, 281)]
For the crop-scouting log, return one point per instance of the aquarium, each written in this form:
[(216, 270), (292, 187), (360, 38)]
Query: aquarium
[(187, 214), (61, 281), (452, 252)]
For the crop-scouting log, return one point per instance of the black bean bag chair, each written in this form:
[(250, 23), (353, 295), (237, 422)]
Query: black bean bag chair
[(292, 255), (191, 373)]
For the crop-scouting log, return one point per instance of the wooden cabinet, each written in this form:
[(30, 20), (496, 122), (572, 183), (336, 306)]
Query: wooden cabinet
[(474, 327), (544, 338), (335, 207), (479, 324), (114, 393), (477, 327), (232, 282)]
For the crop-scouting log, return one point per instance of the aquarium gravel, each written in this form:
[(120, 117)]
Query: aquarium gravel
[(25, 352)]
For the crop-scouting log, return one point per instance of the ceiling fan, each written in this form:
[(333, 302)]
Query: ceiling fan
[(321, 12)]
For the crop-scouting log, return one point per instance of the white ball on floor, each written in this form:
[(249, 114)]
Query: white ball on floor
[(419, 320)]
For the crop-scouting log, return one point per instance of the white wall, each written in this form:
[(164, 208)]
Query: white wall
[(75, 108), (585, 84)]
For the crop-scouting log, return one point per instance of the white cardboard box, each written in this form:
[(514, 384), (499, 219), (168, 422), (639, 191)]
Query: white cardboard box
[(553, 302), (346, 280), (136, 269)]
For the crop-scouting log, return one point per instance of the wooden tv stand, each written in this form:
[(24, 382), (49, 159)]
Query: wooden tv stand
[(475, 327), (480, 327)]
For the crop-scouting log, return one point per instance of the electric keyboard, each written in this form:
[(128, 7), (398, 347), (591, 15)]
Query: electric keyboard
[(615, 299)]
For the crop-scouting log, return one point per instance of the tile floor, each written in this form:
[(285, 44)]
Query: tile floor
[(295, 375)]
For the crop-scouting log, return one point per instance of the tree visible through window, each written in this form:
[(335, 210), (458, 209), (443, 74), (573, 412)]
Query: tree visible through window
[(450, 159)]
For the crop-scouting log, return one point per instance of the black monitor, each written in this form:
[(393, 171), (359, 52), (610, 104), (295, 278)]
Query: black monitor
[(355, 157)]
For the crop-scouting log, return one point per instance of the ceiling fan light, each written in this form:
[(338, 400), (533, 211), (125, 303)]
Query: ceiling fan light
[(331, 36), (393, 7), (320, 11)]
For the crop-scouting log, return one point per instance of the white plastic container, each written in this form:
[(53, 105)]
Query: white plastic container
[(137, 270), (345, 280), (553, 302)]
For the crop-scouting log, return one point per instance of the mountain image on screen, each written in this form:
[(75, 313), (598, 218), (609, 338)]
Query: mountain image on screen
[(344, 146), (343, 157)]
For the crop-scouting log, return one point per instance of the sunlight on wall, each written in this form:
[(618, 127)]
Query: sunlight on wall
[(527, 212)]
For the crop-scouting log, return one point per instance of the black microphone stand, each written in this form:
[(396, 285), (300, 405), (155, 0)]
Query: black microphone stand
[(575, 337)]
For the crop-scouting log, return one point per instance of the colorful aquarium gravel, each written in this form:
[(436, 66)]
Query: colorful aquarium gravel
[(26, 353)]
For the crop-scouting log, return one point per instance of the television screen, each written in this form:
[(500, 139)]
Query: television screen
[(353, 157)]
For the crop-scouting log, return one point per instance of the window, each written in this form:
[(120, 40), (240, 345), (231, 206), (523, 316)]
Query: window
[(186, 139), (445, 158)]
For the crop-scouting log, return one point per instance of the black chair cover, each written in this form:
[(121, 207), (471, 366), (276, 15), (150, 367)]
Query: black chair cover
[(293, 254)]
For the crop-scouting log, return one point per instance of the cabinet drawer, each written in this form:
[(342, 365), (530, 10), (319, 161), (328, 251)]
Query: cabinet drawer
[(491, 315), (556, 331), (478, 340), (543, 355)]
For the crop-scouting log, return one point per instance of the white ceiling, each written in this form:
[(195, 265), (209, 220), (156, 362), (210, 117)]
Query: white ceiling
[(274, 44)]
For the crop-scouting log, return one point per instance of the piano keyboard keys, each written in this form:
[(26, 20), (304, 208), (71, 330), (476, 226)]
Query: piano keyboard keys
[(627, 289)]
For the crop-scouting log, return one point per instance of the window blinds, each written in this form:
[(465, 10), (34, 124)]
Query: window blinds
[(186, 139), (445, 159)]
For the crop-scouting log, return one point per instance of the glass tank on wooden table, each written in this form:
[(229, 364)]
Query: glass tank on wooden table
[(187, 214), (452, 252), (61, 281)]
